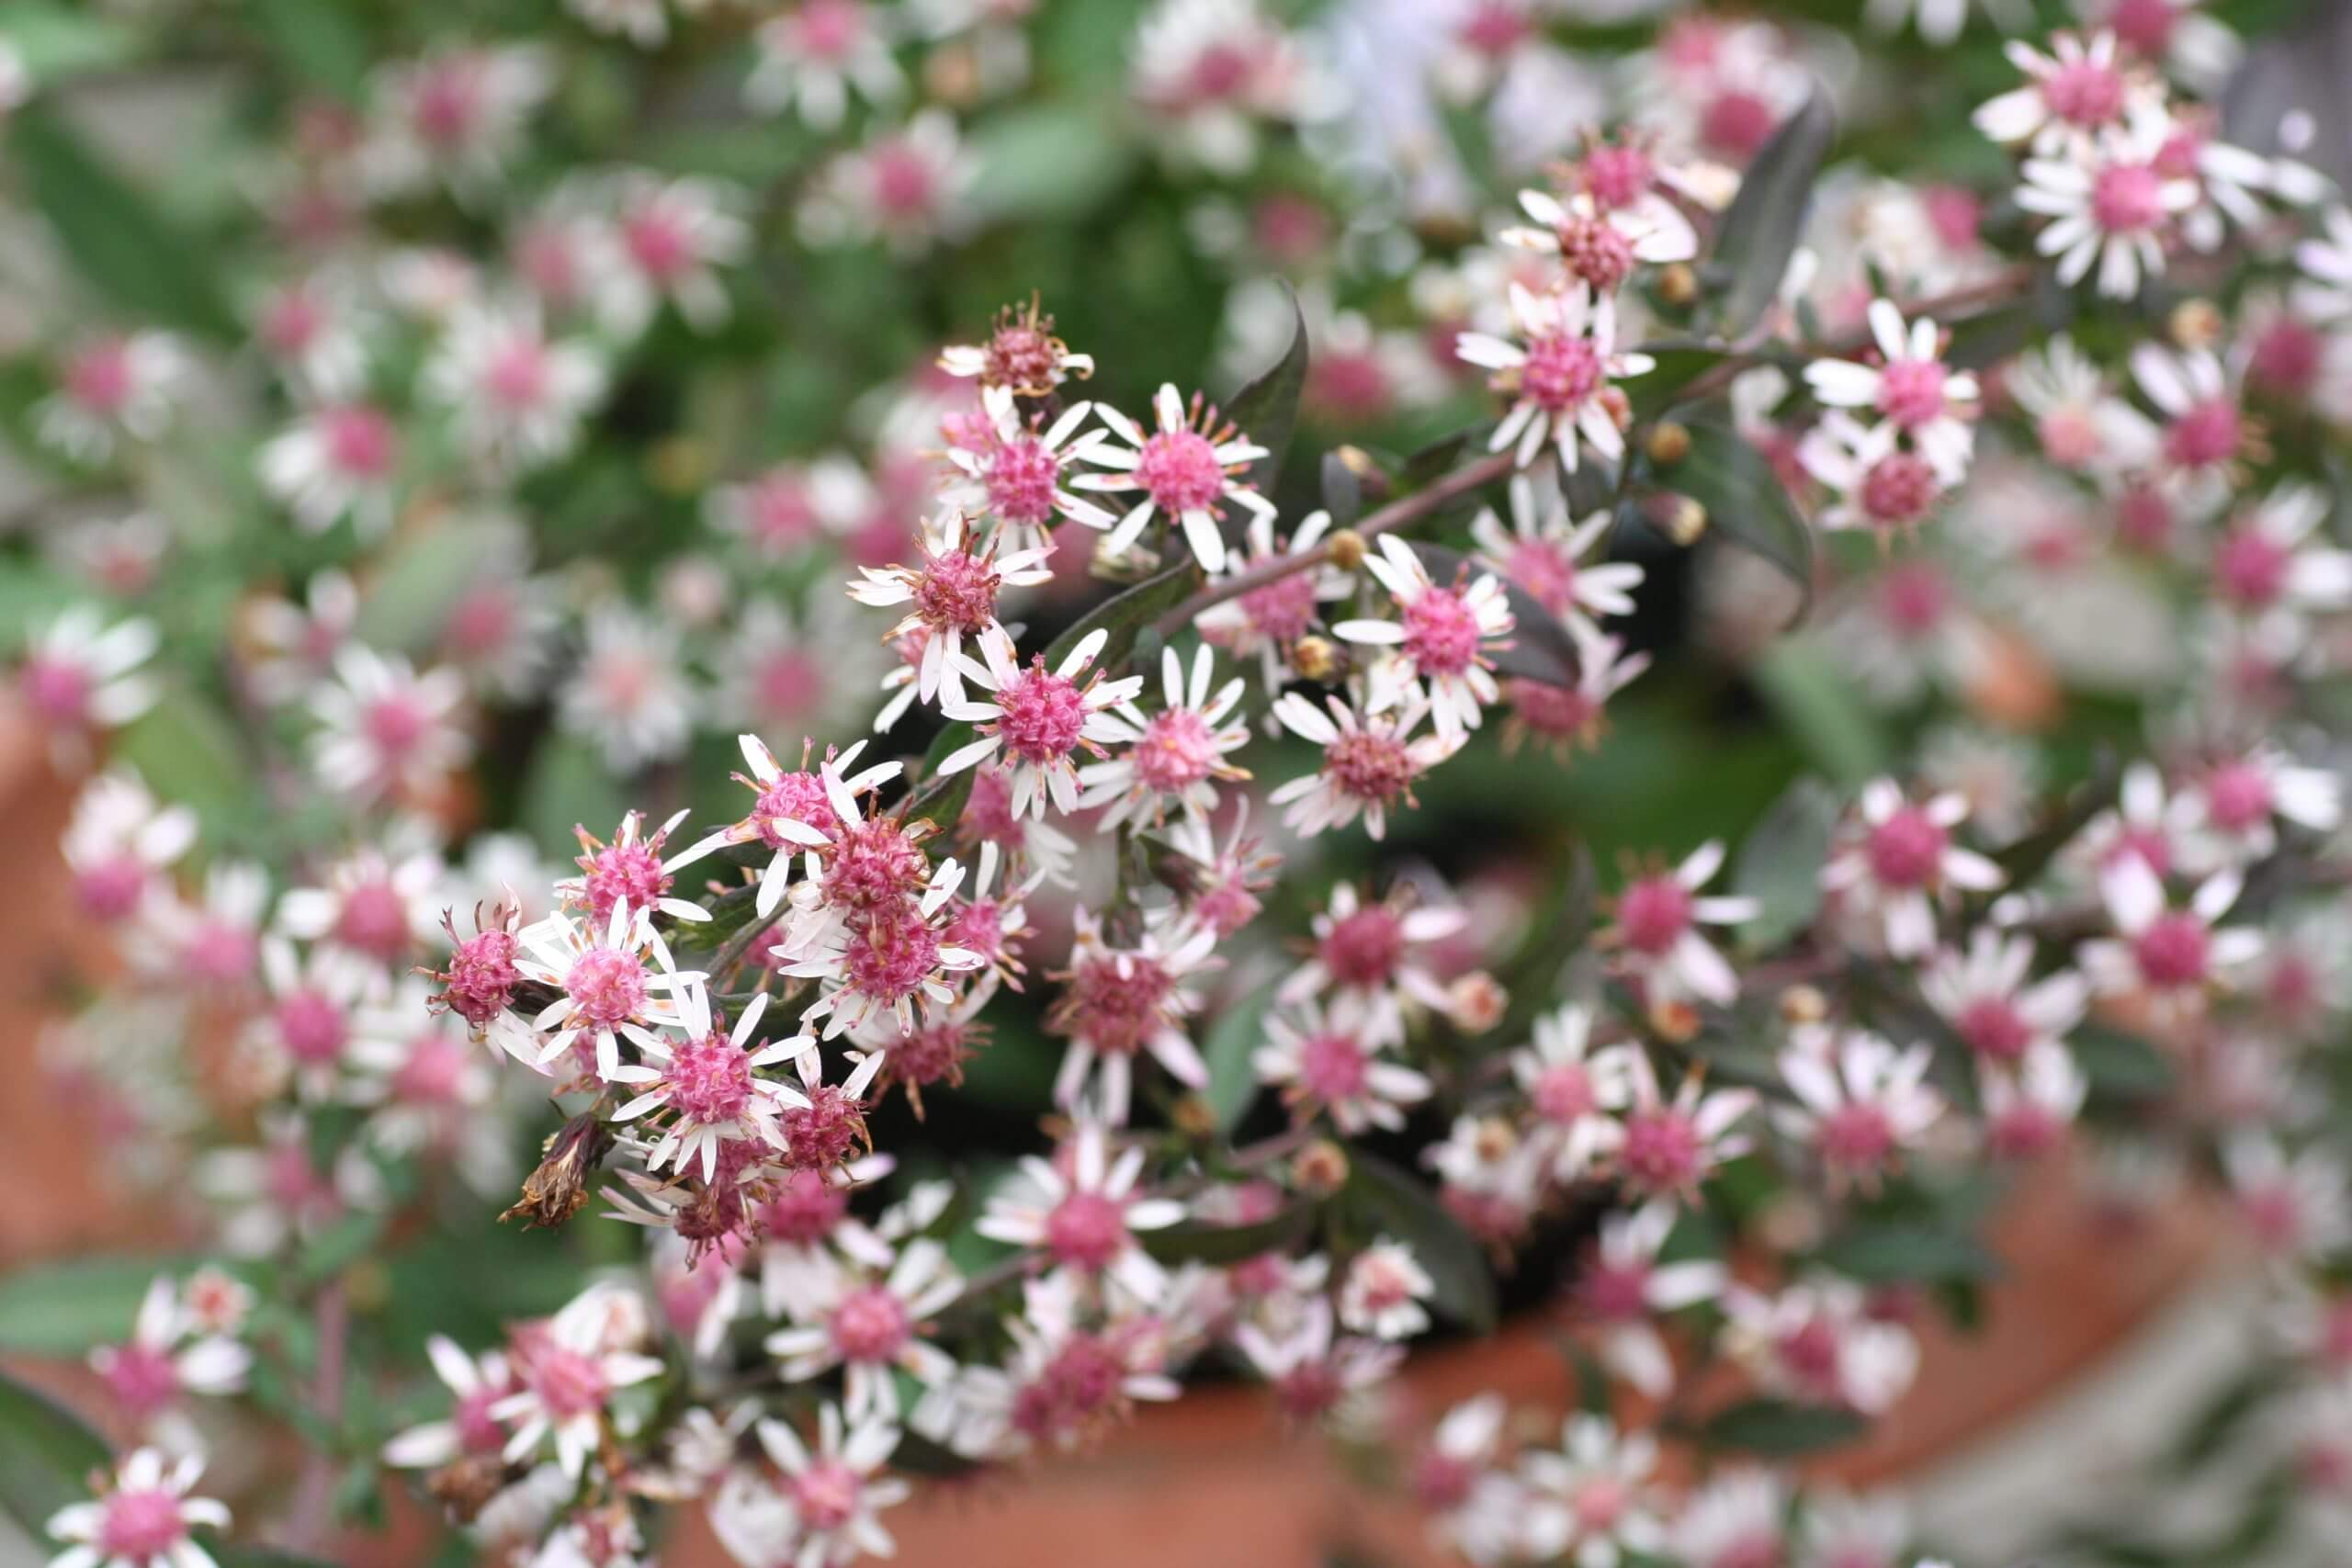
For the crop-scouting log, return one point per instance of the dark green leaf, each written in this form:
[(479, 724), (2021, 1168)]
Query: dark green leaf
[(1123, 615), (119, 243), (1888, 1255), (1759, 232), (1047, 163), (1342, 491), (187, 751), (1779, 863), (1398, 1204), (65, 1308), (1817, 704), (1778, 1430), (1233, 1081), (1195, 1243), (46, 1456), (918, 1455), (2120, 1066), (1745, 501), (1266, 411), (1678, 365), (320, 45), (1433, 461), (569, 785), (341, 1244)]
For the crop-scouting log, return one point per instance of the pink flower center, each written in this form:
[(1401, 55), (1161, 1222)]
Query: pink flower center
[(659, 243), (1117, 1014), (818, 1136), (1368, 766), (988, 815), (709, 1080), (1899, 489), (870, 1326), (359, 441), (1600, 1503), (1087, 1230), (2287, 356), (2023, 1130), (1564, 1095), (1995, 1029), (1561, 373), (1441, 1481), (1595, 250), (1333, 1066), (828, 30), (2144, 518), (373, 921), (290, 324), (873, 866), (1023, 479), (1906, 851), (2084, 93), (1545, 570), (1661, 1150), (112, 888), (394, 723), (142, 1379), (1563, 713), (1913, 597), (1283, 610), (825, 1496), (2238, 798), (481, 976), (2274, 1214), (1364, 949), (2126, 199), (219, 952), (2250, 568), (312, 1027), (903, 184), (607, 987), (1040, 713), (892, 957), (2069, 437), (631, 872), (2171, 951), (1220, 71), (1440, 633), (568, 1382), (100, 379), (482, 623), (1179, 469), (956, 592), (788, 685), (795, 798), (516, 375), (1021, 355), (1615, 1292), (434, 1072), (59, 691), (1178, 750), (1810, 1353), (780, 512), (1616, 177), (2144, 26), (141, 1524), (1349, 384), (477, 1430), (935, 1055), (446, 103), (1652, 913), (2209, 432), (1737, 122), (1857, 1136), (1911, 392), (1309, 1391), (806, 1208)]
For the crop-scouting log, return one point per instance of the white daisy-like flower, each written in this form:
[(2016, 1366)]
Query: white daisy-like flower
[(908, 186), (1861, 1102), (1269, 621), (1443, 637), (1544, 550), (2230, 814), (1984, 996), (1656, 929), (292, 647), (1596, 1498), (1875, 482), (385, 730), (830, 1498), (1625, 1290), (1039, 719), (2072, 93), (477, 1384), (607, 991), (1911, 388), (168, 1355), (119, 841), (668, 239), (1817, 1341), (708, 1084), (1559, 374), (2195, 48), (812, 55), (1599, 245), (516, 396), (565, 1373), (144, 1519), (1189, 468), (1573, 1090), (2271, 563), (950, 597), (80, 674), (112, 389), (2298, 1209), (1331, 1061), (1383, 1292), (794, 811), (2173, 957), (315, 1010), (887, 960), (1120, 1003), (631, 869), (1022, 354), (1082, 1210), (338, 458), (1370, 760), (378, 901), (2114, 207), (866, 1321), (1175, 754), (458, 115), (630, 693), (1022, 474), (2079, 422), (1899, 864)]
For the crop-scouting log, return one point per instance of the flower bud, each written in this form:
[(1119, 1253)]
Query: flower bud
[(1497, 1138), (1475, 1002), (1804, 1004), (1320, 1168), (1315, 659), (679, 465), (1684, 521), (2194, 324), (1370, 479), (553, 1193), (1668, 443), (1678, 284), (1194, 1117), (1345, 548), (1674, 1020)]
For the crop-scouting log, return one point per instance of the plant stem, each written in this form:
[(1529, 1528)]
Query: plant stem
[(313, 1514)]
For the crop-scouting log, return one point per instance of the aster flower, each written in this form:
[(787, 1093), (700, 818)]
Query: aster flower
[(1861, 1102), (1189, 469), (1211, 69), (2171, 956), (1623, 1289), (1597, 1499), (1174, 753), (2071, 93), (338, 458), (1022, 356), (215, 941), (1442, 638), (2270, 562), (1329, 1062), (832, 1494), (121, 841), (1657, 932), (168, 1356), (884, 957), (1020, 473), (951, 597), (1315, 1374), (1082, 1212), (457, 115), (1668, 1146), (478, 1383), (707, 1083), (1543, 553), (314, 1010), (606, 991), (2077, 420), (145, 1518), (1040, 719), (629, 695), (796, 811), (80, 675), (669, 238), (1117, 1003), (1269, 621), (516, 397), (294, 646), (565, 1372), (1911, 390), (1897, 862), (2194, 47), (868, 1322), (1600, 245), (1559, 375), (385, 730), (1738, 1517), (1984, 996), (378, 901), (1875, 482), (1370, 760), (2230, 814), (112, 389), (2324, 294), (631, 870), (1065, 1380), (813, 53), (906, 186), (1225, 878), (1574, 1090), (1816, 1341), (2298, 1210), (2113, 206), (1563, 719)]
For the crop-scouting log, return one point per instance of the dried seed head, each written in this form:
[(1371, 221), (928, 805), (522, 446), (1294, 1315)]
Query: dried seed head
[(553, 1193)]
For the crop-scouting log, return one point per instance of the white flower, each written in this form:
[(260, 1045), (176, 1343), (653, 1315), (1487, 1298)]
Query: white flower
[(80, 674), (1175, 753), (458, 114), (606, 989), (1118, 1003), (667, 239), (2271, 562), (1188, 468), (1543, 553), (2071, 94), (630, 694), (1383, 1292), (1596, 1499), (1021, 474), (2171, 956), (293, 644), (337, 458), (1085, 1218), (2298, 1210), (1331, 1061), (1314, 1375), (886, 959), (120, 838), (1624, 1288), (1986, 999), (2230, 814), (385, 730), (907, 187), (378, 901), (1574, 1090), (1736, 1518), (143, 1520), (813, 52), (1040, 719), (1657, 930), (1816, 1341), (111, 388), (1899, 862), (867, 1325), (1443, 637), (2113, 206), (1370, 760), (1912, 389), (1877, 483), (518, 398), (469, 1428), (1861, 1102), (1566, 358), (1600, 245), (168, 1356), (707, 1083), (950, 597), (2079, 421), (2327, 264), (1214, 69), (565, 1373)]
